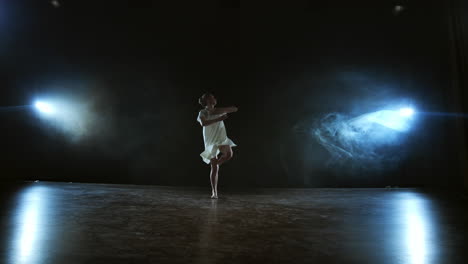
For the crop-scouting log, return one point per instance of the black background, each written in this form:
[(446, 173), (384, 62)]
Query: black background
[(142, 67)]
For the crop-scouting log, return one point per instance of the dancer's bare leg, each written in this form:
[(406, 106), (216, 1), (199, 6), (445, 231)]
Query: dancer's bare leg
[(226, 154), (214, 178)]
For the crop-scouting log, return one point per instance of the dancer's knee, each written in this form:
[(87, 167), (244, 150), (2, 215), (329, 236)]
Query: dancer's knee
[(214, 162), (229, 155)]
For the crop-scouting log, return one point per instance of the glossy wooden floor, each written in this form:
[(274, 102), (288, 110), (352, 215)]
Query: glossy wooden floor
[(68, 223)]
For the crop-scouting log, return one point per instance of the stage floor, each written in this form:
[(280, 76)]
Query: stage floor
[(48, 223)]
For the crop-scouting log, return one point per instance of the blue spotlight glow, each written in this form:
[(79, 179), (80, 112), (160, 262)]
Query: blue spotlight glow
[(70, 115), (406, 111), (396, 120), (44, 107), (368, 139)]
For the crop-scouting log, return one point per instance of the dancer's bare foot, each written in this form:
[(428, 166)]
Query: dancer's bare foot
[(214, 196)]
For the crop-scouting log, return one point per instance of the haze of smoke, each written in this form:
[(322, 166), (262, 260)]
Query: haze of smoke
[(372, 146)]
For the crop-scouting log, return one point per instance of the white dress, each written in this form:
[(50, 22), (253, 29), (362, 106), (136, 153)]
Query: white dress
[(214, 136)]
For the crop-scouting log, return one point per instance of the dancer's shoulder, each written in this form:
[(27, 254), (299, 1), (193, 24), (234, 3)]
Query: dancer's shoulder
[(204, 112)]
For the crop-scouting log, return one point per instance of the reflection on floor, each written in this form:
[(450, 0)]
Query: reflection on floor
[(70, 223)]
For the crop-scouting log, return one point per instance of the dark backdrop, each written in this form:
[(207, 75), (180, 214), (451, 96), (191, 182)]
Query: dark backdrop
[(141, 67)]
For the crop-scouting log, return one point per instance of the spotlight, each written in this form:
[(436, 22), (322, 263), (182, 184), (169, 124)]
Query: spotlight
[(398, 8), (44, 107), (399, 120), (55, 3), (70, 115), (406, 112)]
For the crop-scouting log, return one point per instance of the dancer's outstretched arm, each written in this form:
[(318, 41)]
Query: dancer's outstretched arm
[(224, 110)]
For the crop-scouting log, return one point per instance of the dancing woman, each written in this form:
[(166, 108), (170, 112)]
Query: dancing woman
[(215, 137)]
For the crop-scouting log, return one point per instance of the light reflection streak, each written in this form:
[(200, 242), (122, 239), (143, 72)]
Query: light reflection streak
[(26, 247), (208, 238), (417, 229)]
